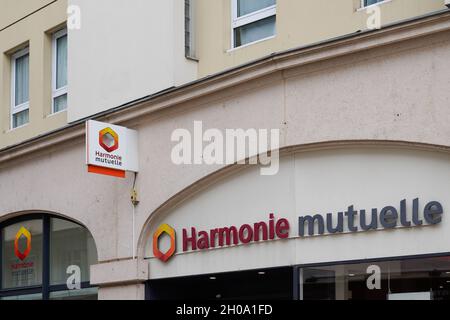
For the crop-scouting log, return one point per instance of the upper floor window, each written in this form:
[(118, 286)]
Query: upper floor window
[(366, 3), (253, 20), (189, 45), (20, 88), (59, 78)]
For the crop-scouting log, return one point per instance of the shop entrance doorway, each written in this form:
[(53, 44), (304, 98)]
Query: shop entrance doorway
[(272, 284)]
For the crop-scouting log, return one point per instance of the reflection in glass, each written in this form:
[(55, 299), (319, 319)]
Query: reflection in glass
[(60, 103), (70, 245), (319, 284), (22, 261), (21, 118), (370, 2), (61, 62), (22, 79), (410, 279)]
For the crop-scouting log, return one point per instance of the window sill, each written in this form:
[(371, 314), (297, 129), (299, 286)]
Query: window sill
[(17, 128), (192, 58), (373, 5), (250, 44), (53, 114)]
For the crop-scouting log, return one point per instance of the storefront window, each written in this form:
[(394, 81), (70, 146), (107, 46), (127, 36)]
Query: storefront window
[(407, 279), (45, 257)]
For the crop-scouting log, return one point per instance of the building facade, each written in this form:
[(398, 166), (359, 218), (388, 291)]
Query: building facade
[(358, 207), (153, 46), (28, 44)]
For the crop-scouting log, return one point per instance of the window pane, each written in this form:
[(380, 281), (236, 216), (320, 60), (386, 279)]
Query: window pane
[(254, 31), (370, 2), (22, 255), (60, 103), (72, 246), (21, 118), (187, 28), (409, 279), (319, 284), (249, 6), (61, 62), (22, 79), (83, 294)]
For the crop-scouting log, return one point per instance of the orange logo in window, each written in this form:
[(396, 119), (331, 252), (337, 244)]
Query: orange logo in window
[(165, 228), (22, 255), (109, 140)]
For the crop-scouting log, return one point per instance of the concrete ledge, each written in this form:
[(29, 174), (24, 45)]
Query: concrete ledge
[(122, 272)]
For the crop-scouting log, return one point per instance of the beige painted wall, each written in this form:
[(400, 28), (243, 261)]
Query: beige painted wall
[(13, 10), (299, 23), (34, 31)]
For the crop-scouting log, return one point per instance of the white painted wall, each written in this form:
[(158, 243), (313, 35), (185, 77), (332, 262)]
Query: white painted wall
[(125, 50), (314, 183)]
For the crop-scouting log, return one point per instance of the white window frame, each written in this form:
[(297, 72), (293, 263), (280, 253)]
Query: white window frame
[(64, 90), (237, 22), (26, 105)]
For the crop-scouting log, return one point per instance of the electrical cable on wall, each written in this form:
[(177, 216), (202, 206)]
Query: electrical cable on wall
[(134, 202)]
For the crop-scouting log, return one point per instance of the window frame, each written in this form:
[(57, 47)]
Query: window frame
[(45, 288), (363, 3), (299, 268), (189, 44), (57, 92), (237, 22), (26, 105)]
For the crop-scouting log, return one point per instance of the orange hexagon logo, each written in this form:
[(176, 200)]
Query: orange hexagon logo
[(109, 140), (22, 255), (165, 228)]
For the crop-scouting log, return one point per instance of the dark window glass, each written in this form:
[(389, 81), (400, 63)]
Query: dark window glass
[(255, 31), (46, 258), (408, 279), (370, 2)]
